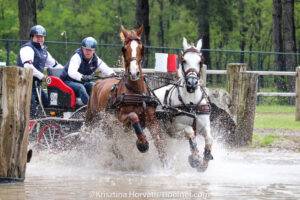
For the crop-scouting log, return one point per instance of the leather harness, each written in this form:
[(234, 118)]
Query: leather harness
[(137, 99), (190, 110)]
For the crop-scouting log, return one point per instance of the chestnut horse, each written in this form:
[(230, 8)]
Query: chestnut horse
[(129, 97)]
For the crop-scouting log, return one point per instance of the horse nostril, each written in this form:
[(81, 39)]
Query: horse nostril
[(138, 74)]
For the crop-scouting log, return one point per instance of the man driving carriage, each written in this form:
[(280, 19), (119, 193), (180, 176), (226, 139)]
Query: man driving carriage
[(78, 73), (34, 55)]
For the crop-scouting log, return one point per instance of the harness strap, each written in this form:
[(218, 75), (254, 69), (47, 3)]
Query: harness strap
[(166, 97), (131, 88), (205, 95), (180, 99)]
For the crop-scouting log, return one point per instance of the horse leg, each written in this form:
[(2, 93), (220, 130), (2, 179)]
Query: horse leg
[(141, 143), (208, 141), (194, 158), (155, 131)]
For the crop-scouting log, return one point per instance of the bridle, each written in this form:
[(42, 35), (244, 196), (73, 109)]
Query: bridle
[(127, 41), (191, 70)]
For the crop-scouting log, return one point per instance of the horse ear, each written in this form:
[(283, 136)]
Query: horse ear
[(140, 30), (123, 33), (199, 45), (185, 44)]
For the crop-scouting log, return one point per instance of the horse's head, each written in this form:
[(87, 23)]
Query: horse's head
[(191, 61), (133, 52)]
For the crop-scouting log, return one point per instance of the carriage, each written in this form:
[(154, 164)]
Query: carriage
[(61, 119)]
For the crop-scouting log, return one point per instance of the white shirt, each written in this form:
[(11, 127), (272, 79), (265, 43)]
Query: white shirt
[(27, 54), (75, 62)]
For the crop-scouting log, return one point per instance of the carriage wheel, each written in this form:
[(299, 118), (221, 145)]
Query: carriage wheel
[(50, 137)]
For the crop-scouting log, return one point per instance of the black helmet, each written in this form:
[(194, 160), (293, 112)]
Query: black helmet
[(89, 42), (37, 30)]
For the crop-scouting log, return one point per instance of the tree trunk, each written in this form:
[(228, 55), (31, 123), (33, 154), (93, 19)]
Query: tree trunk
[(289, 38), (27, 17), (243, 29), (161, 32), (142, 18), (297, 113), (203, 27), (278, 42)]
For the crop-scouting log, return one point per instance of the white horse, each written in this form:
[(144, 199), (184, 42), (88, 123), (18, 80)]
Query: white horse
[(188, 105)]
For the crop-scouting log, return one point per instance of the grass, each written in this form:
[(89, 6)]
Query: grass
[(265, 140), (272, 120), (276, 117)]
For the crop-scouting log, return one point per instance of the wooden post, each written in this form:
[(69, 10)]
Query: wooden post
[(203, 74), (233, 83), (297, 94), (15, 95), (246, 108)]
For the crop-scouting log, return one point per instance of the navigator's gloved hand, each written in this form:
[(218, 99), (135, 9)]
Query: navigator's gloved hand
[(86, 78)]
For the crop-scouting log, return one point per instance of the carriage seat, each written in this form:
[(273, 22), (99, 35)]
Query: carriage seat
[(61, 86), (60, 95)]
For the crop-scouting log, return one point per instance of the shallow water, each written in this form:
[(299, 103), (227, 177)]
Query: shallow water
[(90, 171)]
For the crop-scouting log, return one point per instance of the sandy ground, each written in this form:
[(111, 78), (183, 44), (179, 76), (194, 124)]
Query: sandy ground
[(287, 139)]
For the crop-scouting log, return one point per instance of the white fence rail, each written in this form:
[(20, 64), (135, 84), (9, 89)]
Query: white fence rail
[(261, 73)]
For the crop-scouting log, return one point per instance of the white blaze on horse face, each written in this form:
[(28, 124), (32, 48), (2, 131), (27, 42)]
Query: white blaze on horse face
[(134, 67)]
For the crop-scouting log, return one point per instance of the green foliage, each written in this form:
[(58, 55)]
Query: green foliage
[(102, 19), (71, 20), (9, 22), (12, 57), (87, 18)]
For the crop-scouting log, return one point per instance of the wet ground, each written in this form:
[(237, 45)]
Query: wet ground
[(91, 172)]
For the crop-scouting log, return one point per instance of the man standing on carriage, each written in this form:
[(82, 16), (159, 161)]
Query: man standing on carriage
[(34, 55), (78, 73)]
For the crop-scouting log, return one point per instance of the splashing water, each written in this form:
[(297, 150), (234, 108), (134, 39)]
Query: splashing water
[(91, 170)]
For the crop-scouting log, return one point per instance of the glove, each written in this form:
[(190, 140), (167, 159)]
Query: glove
[(44, 78), (86, 78)]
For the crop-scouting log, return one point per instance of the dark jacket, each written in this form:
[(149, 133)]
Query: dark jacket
[(85, 68)]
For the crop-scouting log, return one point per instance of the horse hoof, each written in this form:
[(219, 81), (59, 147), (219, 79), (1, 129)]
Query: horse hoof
[(194, 161), (202, 167), (207, 155), (29, 155), (142, 147)]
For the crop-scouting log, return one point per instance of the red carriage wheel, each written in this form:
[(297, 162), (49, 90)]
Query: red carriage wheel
[(50, 137)]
